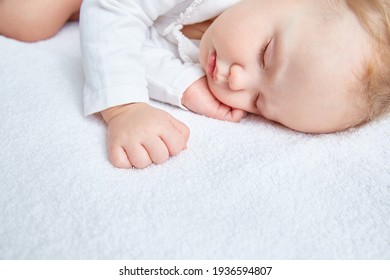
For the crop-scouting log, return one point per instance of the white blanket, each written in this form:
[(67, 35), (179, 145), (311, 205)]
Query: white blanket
[(253, 190)]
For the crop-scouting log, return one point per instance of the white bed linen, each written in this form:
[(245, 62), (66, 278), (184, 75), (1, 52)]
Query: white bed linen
[(245, 191)]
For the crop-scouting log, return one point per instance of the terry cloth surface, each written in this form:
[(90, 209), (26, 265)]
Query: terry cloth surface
[(244, 191)]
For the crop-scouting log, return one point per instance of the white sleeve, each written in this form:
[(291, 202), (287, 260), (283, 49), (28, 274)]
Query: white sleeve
[(168, 76), (112, 35)]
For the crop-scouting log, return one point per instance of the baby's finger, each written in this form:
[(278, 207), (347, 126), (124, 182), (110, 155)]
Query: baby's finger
[(118, 157), (235, 115), (230, 114), (138, 156), (221, 112), (157, 150), (182, 128), (175, 141)]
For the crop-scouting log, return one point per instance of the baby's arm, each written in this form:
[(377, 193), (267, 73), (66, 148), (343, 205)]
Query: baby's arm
[(112, 36), (181, 84)]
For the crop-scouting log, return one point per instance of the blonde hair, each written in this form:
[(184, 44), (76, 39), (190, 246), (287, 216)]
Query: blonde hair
[(374, 16)]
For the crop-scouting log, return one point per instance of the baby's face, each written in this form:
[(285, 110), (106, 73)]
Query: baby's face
[(295, 62)]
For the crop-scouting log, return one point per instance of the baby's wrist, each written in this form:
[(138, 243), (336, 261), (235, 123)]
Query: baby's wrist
[(186, 97), (112, 112)]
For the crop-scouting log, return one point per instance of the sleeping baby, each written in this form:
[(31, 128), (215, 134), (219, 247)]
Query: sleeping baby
[(313, 66)]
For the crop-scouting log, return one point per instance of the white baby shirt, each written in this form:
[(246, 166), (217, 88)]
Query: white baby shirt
[(134, 49)]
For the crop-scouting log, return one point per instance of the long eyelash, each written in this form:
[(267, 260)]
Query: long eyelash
[(262, 52)]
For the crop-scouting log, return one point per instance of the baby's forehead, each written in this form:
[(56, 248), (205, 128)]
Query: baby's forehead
[(343, 54)]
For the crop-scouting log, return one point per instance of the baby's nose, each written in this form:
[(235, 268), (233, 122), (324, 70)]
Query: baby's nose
[(238, 78)]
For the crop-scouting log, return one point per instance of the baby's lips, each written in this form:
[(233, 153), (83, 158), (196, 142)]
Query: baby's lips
[(211, 63)]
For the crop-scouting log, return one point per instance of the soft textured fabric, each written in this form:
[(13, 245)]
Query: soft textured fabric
[(133, 50), (247, 191)]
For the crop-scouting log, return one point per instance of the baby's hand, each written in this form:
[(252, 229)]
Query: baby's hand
[(199, 99), (139, 135)]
